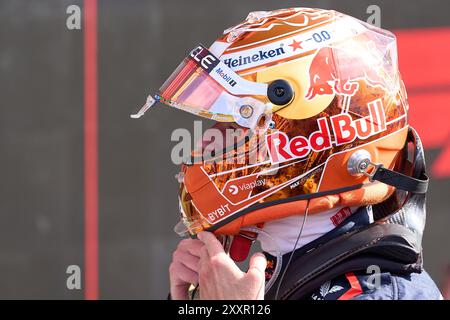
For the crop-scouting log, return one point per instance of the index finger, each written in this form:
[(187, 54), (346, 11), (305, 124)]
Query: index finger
[(192, 246), (213, 245)]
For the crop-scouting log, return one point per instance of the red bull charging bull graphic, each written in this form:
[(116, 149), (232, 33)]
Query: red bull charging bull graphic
[(325, 79)]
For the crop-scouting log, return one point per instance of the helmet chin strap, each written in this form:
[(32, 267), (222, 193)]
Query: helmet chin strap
[(408, 208), (360, 163)]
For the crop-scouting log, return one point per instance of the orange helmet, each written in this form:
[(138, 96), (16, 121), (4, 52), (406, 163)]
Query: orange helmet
[(317, 112)]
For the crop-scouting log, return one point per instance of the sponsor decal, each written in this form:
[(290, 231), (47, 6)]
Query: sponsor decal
[(342, 127), (290, 47), (257, 56), (225, 77), (204, 58), (233, 189), (325, 290), (219, 212), (295, 184), (324, 78), (342, 214), (296, 45)]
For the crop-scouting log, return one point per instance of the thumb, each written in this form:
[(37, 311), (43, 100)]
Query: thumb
[(257, 265)]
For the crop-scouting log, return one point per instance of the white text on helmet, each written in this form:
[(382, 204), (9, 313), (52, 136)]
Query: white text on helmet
[(345, 130)]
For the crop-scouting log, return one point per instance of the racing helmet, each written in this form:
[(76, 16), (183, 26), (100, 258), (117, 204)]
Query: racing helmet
[(310, 110)]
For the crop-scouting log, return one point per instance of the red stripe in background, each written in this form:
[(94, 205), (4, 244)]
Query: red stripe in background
[(90, 151), (424, 58)]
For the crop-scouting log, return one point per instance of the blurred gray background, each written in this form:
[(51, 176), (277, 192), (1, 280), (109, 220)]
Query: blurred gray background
[(41, 138)]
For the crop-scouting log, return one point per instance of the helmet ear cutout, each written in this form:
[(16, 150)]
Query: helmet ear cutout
[(280, 92)]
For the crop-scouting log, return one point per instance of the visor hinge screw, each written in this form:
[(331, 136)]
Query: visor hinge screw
[(358, 162), (363, 166), (246, 111)]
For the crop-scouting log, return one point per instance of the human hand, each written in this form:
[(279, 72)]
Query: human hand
[(183, 270), (221, 279)]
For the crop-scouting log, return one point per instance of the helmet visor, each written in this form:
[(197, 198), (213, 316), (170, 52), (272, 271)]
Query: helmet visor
[(204, 85)]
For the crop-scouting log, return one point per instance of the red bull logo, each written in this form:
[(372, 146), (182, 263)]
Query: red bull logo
[(334, 70), (342, 127)]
